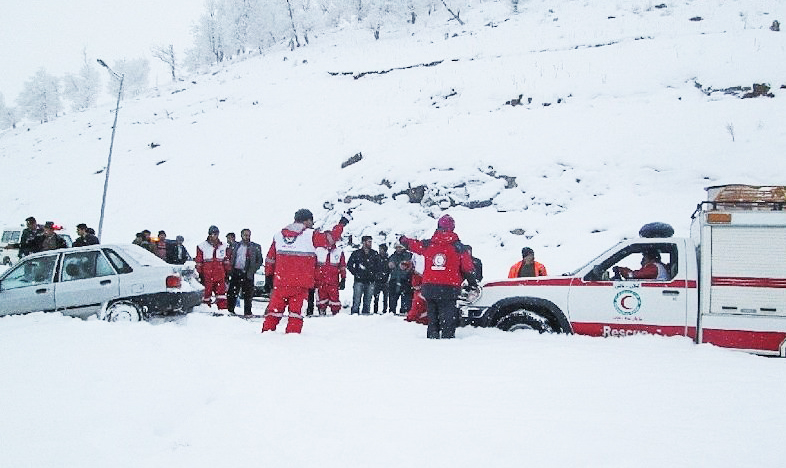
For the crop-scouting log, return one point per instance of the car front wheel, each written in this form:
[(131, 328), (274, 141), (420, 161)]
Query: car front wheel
[(123, 312), (525, 320)]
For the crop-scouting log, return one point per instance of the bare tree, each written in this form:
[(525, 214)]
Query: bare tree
[(294, 42), (455, 15), (166, 53)]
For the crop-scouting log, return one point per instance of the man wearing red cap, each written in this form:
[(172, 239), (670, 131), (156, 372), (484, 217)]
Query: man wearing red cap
[(291, 264), (448, 264)]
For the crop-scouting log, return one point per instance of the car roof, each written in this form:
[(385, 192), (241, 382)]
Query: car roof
[(138, 254)]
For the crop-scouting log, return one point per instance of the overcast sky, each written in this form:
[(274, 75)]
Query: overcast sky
[(53, 33)]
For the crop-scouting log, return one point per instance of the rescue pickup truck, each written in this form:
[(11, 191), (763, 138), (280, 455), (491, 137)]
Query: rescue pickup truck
[(725, 285)]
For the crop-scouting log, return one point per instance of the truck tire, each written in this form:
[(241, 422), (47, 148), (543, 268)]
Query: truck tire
[(123, 311), (522, 319)]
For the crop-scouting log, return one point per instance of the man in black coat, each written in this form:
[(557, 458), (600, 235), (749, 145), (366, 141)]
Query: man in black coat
[(400, 285), (176, 252), (246, 258), (31, 237), (85, 238), (364, 264)]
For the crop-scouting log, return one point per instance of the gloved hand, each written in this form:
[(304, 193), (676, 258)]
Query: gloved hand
[(342, 284), (268, 284), (345, 218)]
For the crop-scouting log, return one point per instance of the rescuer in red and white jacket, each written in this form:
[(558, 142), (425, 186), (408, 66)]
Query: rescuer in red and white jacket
[(418, 311), (291, 261), (331, 276), (448, 264), (212, 263)]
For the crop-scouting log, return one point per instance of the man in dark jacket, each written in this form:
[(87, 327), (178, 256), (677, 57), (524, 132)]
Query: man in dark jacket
[(400, 284), (381, 283), (50, 240), (364, 266), (176, 252), (85, 238), (31, 237), (448, 264), (246, 258)]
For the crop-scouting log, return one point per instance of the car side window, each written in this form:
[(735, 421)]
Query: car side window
[(31, 272), (84, 265), (121, 266)]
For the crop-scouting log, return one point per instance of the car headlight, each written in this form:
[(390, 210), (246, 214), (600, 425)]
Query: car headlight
[(470, 296)]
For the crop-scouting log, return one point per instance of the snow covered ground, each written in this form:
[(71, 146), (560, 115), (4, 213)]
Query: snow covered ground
[(632, 133)]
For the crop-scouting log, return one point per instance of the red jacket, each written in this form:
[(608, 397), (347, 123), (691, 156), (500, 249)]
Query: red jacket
[(212, 261), (331, 266), (447, 260), (292, 257)]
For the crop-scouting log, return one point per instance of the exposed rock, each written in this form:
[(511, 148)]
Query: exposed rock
[(759, 89), (352, 160)]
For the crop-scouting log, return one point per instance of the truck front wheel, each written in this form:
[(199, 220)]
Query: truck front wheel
[(524, 320)]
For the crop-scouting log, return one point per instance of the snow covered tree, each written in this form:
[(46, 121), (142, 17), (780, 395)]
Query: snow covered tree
[(137, 76), (40, 99), (166, 53), (82, 89), (385, 12), (8, 115), (209, 37)]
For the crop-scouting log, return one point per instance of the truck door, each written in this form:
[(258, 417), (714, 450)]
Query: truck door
[(604, 304)]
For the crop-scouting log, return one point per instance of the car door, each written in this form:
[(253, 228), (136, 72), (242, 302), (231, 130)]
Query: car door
[(29, 286), (87, 280), (601, 305)]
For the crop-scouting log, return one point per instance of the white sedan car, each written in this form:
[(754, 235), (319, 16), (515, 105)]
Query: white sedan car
[(114, 282)]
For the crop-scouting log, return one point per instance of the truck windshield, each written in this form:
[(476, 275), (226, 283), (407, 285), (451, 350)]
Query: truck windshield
[(596, 260)]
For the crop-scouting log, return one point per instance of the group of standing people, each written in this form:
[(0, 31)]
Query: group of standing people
[(233, 264), (168, 250), (39, 238), (426, 276)]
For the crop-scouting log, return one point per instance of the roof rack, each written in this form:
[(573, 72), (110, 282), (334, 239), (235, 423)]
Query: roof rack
[(746, 197)]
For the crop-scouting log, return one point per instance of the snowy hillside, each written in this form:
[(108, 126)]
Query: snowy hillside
[(622, 125), (564, 127)]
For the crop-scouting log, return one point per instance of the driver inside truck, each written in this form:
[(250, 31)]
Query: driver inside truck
[(651, 268)]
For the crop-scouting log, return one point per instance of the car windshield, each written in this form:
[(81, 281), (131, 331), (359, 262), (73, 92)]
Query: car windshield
[(143, 256)]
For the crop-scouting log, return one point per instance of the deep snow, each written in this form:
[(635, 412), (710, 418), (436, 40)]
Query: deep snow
[(633, 139)]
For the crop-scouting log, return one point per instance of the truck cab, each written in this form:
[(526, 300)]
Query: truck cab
[(725, 285), (595, 300)]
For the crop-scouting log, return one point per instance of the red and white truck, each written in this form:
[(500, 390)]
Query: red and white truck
[(725, 285)]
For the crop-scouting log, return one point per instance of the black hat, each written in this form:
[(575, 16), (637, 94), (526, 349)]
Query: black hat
[(49, 225), (212, 230), (651, 253), (527, 251), (81, 226), (303, 215)]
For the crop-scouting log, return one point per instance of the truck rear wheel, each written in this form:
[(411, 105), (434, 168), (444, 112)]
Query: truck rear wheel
[(525, 320)]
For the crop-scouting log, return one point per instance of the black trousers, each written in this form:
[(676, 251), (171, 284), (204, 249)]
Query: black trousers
[(443, 315), (400, 289), (239, 282)]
